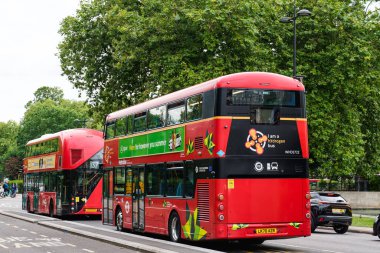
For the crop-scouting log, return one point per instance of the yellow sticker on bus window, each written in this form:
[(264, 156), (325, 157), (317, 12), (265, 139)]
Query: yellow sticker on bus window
[(231, 183), (77, 199)]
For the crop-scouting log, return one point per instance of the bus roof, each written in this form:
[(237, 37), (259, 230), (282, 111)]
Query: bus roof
[(66, 134), (260, 80)]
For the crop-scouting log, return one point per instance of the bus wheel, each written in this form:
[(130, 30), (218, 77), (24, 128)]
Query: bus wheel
[(174, 227), (119, 220), (51, 209)]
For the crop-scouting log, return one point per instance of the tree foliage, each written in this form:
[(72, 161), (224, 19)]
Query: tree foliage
[(53, 93), (8, 144), (121, 52), (47, 116)]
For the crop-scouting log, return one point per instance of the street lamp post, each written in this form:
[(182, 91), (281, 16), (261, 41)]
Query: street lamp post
[(300, 13)]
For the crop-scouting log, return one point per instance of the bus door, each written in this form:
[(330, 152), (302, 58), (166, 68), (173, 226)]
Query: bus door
[(36, 191), (138, 208), (107, 197)]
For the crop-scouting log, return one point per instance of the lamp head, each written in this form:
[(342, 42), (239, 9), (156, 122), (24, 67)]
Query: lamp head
[(303, 13), (286, 20)]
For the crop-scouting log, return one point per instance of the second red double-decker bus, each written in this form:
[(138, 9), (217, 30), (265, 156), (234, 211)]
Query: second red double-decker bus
[(224, 159), (62, 173)]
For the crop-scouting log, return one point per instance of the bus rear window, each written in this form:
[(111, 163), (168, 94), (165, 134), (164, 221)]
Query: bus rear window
[(278, 98)]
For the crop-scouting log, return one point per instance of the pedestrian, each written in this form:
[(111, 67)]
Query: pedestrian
[(14, 188), (6, 187)]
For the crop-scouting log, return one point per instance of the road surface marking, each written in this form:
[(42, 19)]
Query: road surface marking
[(32, 232), (302, 247), (87, 250)]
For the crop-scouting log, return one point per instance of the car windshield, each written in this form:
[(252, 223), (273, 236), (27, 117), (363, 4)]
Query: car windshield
[(331, 197)]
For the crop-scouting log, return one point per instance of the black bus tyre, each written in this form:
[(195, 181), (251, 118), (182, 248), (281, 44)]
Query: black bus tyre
[(119, 220), (378, 229), (174, 227), (340, 229), (51, 209), (313, 223)]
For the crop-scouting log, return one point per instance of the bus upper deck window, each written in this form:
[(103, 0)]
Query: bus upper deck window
[(176, 113), (194, 108)]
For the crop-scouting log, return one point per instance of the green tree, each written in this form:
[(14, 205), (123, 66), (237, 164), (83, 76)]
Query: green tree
[(121, 52), (53, 93), (49, 117), (8, 144)]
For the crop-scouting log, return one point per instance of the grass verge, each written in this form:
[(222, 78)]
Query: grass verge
[(358, 221)]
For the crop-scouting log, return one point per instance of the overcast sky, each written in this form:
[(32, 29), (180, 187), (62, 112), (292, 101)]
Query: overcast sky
[(28, 48)]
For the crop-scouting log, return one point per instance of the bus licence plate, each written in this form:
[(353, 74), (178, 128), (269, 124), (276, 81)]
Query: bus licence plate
[(266, 230)]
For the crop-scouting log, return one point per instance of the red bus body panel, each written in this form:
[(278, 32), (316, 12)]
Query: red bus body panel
[(250, 205), (89, 142)]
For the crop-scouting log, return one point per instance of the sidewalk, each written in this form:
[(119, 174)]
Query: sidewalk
[(105, 234)]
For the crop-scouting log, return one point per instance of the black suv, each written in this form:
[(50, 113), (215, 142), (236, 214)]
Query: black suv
[(330, 209), (376, 226)]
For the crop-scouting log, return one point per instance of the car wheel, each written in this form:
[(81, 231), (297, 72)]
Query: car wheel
[(341, 229), (174, 227), (119, 220), (314, 224)]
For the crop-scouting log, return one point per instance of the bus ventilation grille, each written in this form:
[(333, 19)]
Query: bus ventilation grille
[(203, 202), (76, 155), (198, 142)]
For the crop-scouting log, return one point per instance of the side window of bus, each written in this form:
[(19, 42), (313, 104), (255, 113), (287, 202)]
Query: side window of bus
[(155, 183), (176, 113), (156, 117), (174, 179), (128, 182), (194, 107), (121, 127), (139, 123), (110, 130), (119, 180), (189, 180), (130, 124)]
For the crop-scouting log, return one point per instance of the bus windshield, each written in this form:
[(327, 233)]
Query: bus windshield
[(263, 97)]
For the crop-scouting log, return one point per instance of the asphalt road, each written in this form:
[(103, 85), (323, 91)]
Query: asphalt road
[(21, 236), (324, 240)]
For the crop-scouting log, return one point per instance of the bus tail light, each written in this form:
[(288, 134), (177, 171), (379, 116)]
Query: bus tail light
[(221, 217), (308, 215), (308, 196), (307, 205), (221, 207), (220, 197)]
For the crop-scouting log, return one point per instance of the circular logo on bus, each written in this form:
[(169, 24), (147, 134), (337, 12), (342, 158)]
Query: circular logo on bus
[(127, 207), (256, 141), (259, 166)]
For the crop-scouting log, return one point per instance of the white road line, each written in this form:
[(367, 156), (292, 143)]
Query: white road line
[(302, 247), (24, 229), (32, 232), (15, 226), (87, 250), (44, 236)]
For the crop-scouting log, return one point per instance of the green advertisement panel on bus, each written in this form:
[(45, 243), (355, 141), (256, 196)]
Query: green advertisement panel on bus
[(162, 142)]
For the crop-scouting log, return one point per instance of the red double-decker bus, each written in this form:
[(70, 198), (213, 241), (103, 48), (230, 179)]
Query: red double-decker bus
[(224, 159), (62, 173)]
